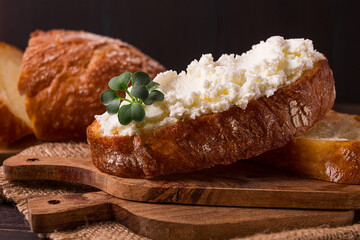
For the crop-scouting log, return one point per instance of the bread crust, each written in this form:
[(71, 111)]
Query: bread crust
[(63, 74), (326, 159), (220, 138)]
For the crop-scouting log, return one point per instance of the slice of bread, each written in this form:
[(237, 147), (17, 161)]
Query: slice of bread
[(329, 151), (220, 138), (15, 123), (63, 74)]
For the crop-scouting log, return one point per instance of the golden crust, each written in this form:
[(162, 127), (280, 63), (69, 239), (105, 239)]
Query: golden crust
[(222, 138), (326, 159), (63, 74), (12, 127)]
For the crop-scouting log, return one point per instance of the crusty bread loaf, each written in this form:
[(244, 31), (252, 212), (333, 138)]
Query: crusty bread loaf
[(329, 151), (14, 121), (63, 74), (221, 138)]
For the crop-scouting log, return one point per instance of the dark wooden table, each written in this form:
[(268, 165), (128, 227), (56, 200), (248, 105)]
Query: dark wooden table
[(14, 226)]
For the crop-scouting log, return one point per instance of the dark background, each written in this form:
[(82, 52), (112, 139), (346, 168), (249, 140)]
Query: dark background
[(176, 32)]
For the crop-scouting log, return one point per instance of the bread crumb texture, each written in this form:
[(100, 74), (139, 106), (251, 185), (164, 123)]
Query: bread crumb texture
[(336, 127)]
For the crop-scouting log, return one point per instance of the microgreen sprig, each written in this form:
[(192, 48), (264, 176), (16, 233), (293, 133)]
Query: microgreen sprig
[(142, 91)]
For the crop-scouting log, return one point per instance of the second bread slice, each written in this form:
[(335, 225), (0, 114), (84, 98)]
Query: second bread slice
[(15, 123), (328, 151)]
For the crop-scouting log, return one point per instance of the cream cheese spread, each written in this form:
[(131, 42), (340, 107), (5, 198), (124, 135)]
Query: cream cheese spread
[(209, 86)]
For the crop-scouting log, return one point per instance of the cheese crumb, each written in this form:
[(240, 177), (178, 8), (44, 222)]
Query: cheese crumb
[(209, 86)]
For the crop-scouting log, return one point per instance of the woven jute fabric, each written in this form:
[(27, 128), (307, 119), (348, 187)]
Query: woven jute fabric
[(19, 191)]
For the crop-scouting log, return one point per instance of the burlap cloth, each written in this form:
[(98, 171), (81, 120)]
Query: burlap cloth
[(18, 192)]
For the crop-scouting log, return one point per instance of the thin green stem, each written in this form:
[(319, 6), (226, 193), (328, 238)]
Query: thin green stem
[(138, 100), (132, 98), (124, 99)]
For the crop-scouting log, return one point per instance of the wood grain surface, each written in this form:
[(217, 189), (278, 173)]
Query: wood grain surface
[(170, 221), (242, 184)]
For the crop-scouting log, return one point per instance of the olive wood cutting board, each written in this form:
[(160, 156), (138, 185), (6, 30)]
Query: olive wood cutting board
[(242, 184), (172, 221)]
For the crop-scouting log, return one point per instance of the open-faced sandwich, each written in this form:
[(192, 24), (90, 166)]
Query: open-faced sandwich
[(215, 112)]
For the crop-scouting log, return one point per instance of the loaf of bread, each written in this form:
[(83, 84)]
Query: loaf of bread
[(63, 74), (15, 123), (220, 138), (329, 151)]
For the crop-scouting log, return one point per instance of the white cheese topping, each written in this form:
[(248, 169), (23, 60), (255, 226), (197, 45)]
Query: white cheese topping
[(212, 87)]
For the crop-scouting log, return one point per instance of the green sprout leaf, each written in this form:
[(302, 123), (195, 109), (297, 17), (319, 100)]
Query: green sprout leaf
[(113, 107), (124, 114), (139, 92), (148, 101), (107, 96), (151, 86), (120, 83), (155, 95), (137, 112), (140, 79), (142, 91)]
